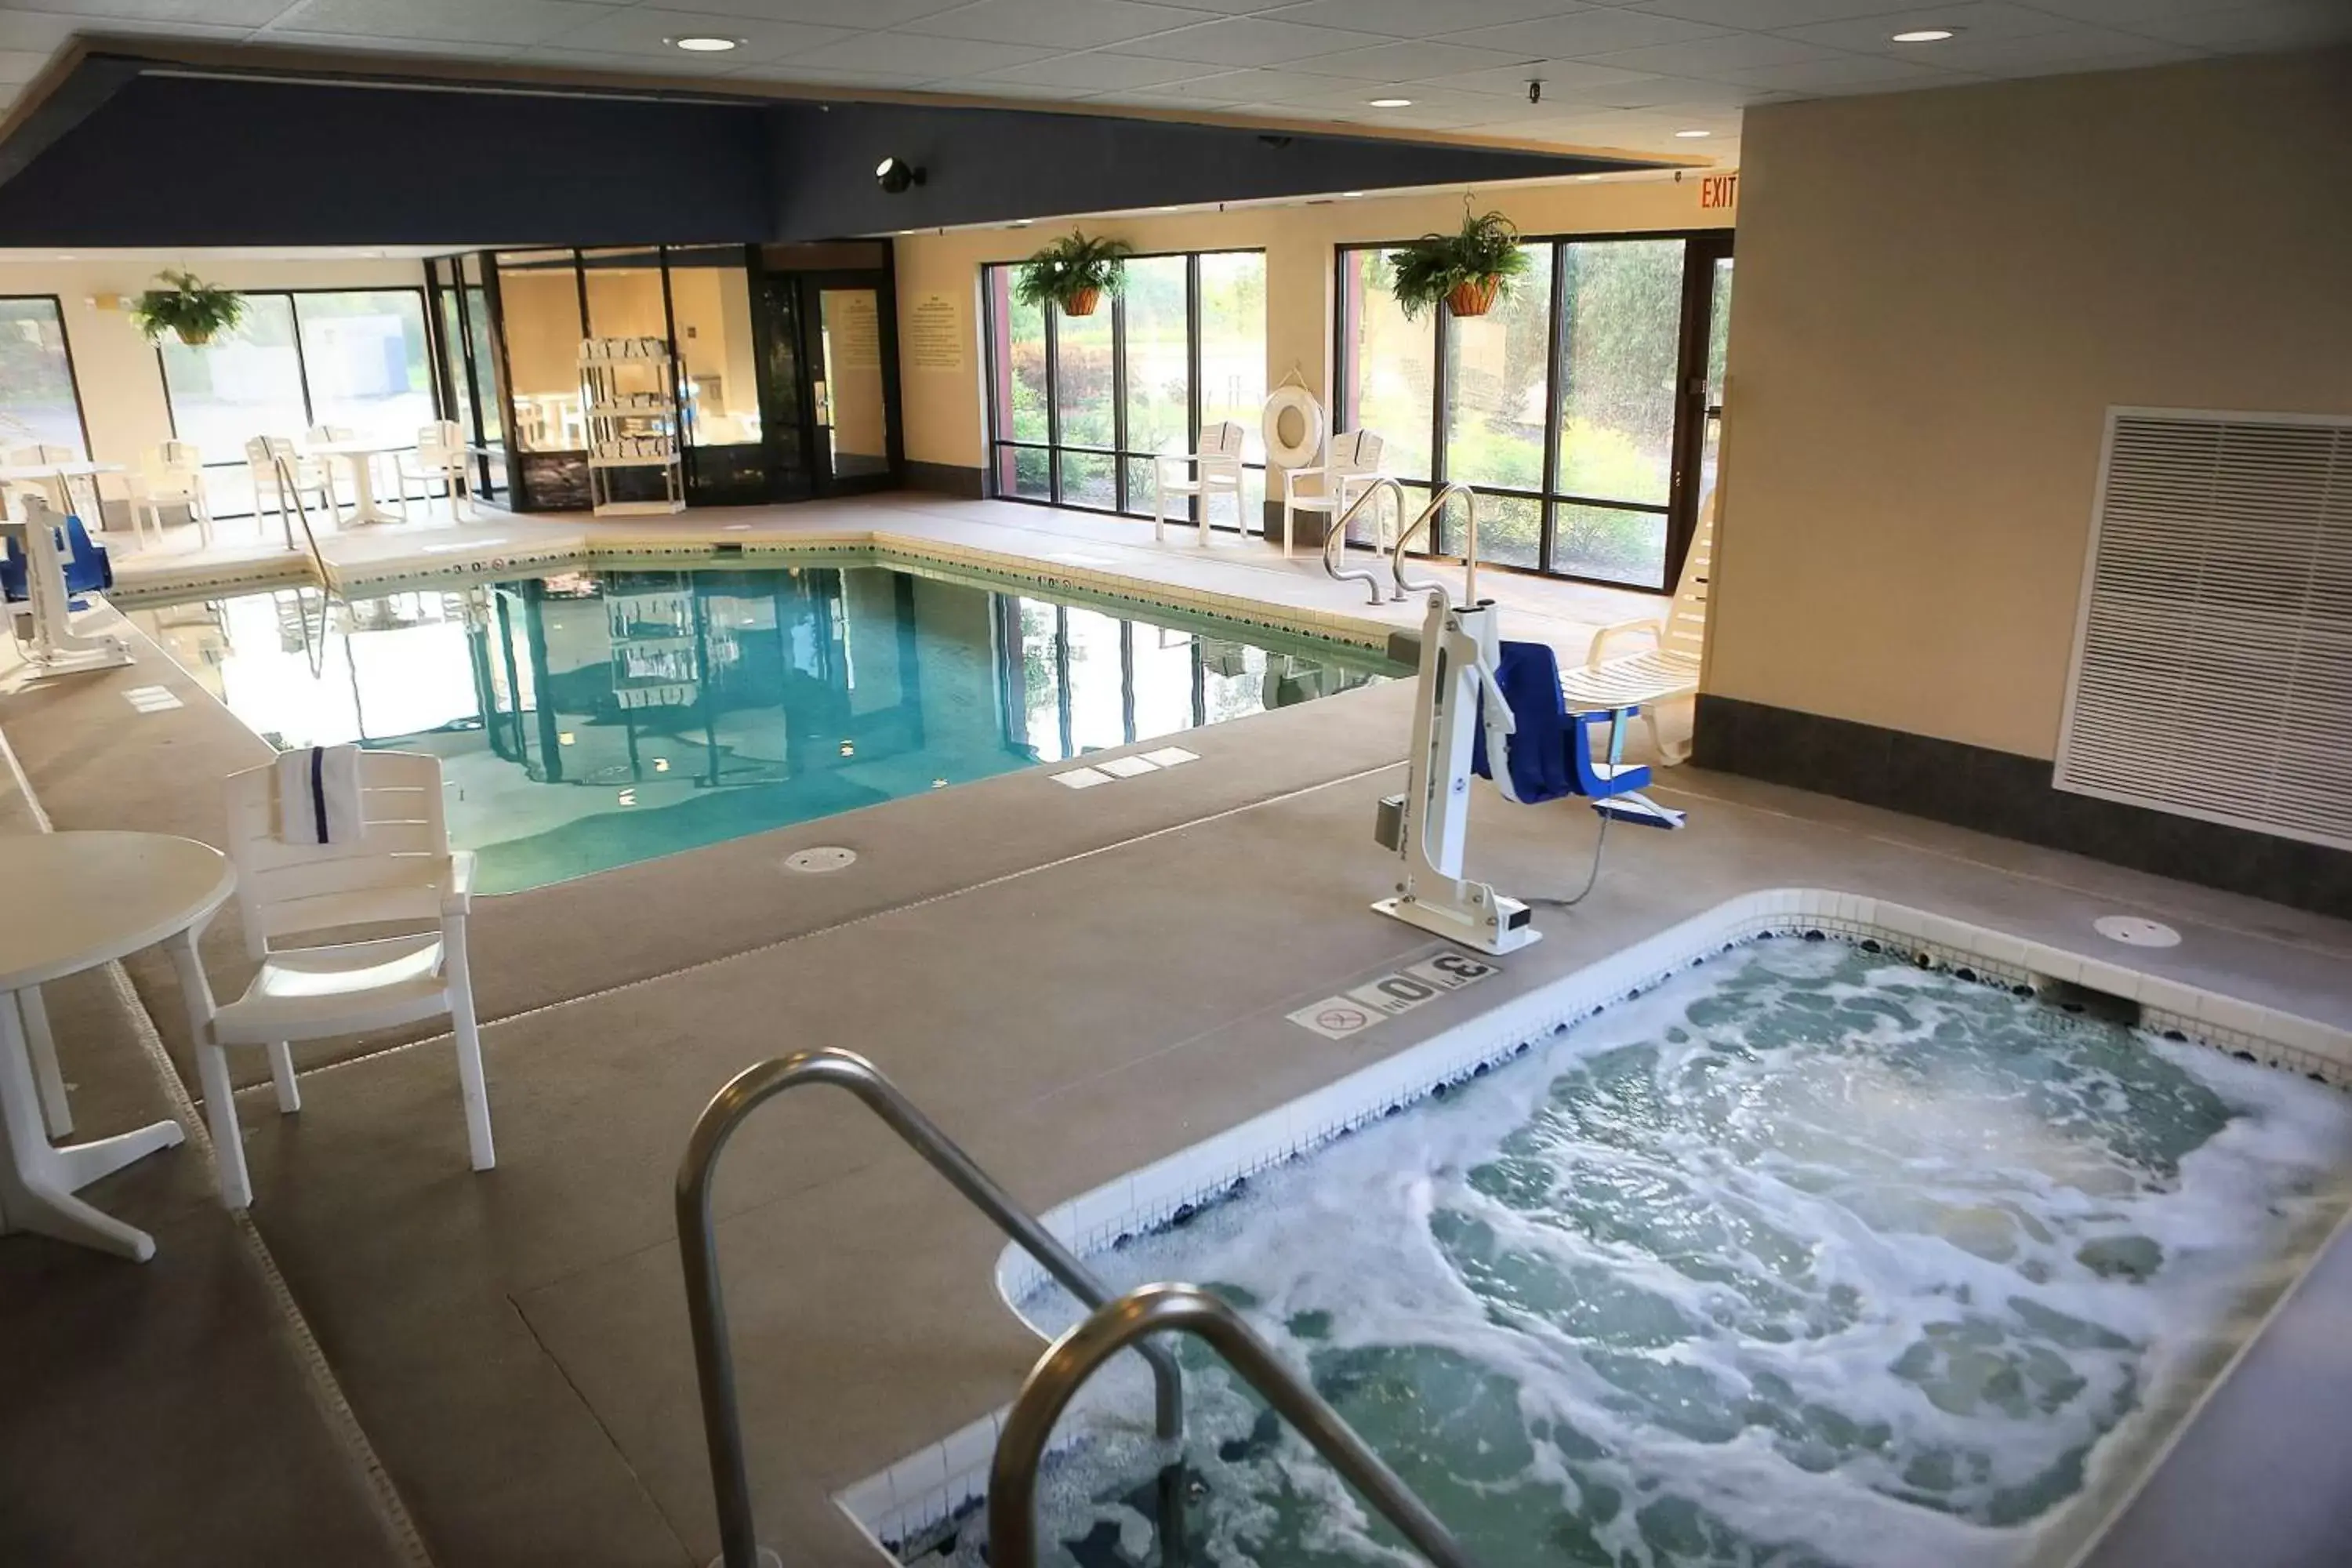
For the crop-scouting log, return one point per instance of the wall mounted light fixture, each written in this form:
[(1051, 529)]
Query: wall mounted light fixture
[(896, 175)]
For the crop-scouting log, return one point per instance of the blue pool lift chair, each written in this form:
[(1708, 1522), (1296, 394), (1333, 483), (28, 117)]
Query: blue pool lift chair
[(1549, 752), (88, 569)]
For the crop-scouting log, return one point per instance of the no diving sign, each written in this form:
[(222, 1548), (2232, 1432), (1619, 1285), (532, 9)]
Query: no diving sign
[(1335, 1017)]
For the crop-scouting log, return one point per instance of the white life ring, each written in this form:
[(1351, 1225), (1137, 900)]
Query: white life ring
[(1302, 452)]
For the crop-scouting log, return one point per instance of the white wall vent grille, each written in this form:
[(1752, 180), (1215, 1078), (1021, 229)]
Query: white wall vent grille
[(2212, 672)]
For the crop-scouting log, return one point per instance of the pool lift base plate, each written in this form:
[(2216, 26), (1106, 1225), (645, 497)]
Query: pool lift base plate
[(1508, 930)]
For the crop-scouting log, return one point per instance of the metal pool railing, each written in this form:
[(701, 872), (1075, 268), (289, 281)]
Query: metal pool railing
[(1183, 1308), (1336, 539), (714, 1360), (1470, 541)]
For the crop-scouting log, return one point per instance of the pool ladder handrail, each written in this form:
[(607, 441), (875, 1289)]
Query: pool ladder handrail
[(714, 1360), (1078, 1354), (287, 490), (1470, 557), (1338, 533)]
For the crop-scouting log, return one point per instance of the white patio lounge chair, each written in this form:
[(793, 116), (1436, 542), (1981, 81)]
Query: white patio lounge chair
[(1669, 668)]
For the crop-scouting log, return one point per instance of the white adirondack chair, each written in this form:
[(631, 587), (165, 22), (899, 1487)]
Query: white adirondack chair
[(1352, 463), (400, 870), (1669, 668), (1216, 469)]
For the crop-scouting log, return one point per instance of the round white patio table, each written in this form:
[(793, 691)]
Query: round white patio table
[(362, 457), (76, 900)]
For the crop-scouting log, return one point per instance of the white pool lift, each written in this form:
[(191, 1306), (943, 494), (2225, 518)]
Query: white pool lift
[(1462, 694)]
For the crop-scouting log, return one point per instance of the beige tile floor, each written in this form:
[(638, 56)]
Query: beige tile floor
[(1074, 984)]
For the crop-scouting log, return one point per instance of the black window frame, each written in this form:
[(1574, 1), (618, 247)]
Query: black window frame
[(73, 375), (1123, 504), (1703, 247), (433, 368)]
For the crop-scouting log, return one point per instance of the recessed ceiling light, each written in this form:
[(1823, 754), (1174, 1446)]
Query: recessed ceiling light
[(1351, 194), (1390, 102), (1693, 135), (703, 43), (1925, 35)]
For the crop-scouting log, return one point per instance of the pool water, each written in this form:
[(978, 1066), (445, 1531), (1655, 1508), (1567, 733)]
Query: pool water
[(588, 720), (1809, 1258)]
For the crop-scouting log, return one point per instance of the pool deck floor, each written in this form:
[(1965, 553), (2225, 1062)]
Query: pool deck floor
[(1073, 983)]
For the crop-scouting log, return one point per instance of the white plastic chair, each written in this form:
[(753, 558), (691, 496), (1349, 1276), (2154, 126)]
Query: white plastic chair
[(1671, 668), (399, 870), (309, 477), (173, 471), (440, 454), (1214, 470), (1352, 462)]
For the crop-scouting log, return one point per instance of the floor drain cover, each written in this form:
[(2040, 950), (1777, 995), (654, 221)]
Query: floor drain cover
[(830, 857), (2135, 930)]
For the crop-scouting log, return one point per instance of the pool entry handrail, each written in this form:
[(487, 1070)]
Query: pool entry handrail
[(284, 465), (714, 1359), (1335, 536), (1185, 1308), (1429, 513)]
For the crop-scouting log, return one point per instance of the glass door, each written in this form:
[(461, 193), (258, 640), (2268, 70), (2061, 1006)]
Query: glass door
[(849, 351)]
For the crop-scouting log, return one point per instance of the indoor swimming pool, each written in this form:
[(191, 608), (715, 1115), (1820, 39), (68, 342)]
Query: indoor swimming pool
[(591, 719), (1810, 1256)]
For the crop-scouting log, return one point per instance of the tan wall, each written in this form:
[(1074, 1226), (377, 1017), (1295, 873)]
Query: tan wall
[(116, 369), (1939, 294), (942, 408)]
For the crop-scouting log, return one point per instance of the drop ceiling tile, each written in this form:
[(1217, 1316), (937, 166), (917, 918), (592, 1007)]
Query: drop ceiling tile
[(995, 87), (642, 30), (19, 67), (1974, 19), (448, 21), (2132, 15), (1583, 33), (1563, 79), (555, 55), (1845, 73), (789, 73), (2305, 25), (96, 16), (36, 30), (909, 54), (353, 43), (2067, 44), (1057, 24), (1102, 70), (1250, 41), (856, 13), (1717, 56), (1226, 87), (1763, 16), (1405, 62), (1419, 18)]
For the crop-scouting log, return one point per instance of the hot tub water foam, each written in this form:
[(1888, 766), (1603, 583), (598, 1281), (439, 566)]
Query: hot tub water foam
[(1808, 1257)]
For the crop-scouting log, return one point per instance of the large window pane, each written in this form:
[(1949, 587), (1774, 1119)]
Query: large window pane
[(539, 294), (1086, 481), (710, 301), (38, 406), (1017, 380), (1510, 530), (366, 356), (1494, 366), (1082, 377), (1159, 363), (1392, 365), (1232, 345), (240, 384), (1619, 358), (1608, 542)]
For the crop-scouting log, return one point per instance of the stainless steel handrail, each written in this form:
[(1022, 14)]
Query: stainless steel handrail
[(288, 491), (1469, 560), (714, 1360), (1337, 535), (1188, 1308)]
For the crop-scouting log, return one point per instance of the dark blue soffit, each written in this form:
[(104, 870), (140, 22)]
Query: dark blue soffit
[(133, 153)]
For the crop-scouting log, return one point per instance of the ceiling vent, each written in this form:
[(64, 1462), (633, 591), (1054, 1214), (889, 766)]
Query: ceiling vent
[(2212, 672)]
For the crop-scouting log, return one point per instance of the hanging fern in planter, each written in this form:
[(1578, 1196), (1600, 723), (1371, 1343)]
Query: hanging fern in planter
[(189, 308), (1468, 270), (1074, 272)]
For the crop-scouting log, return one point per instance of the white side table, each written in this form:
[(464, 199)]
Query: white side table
[(362, 457), (76, 900)]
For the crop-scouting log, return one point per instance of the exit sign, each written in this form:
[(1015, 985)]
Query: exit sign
[(1718, 192)]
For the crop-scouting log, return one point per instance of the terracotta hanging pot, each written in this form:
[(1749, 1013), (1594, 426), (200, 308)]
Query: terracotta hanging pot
[(1082, 303), (1474, 298)]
